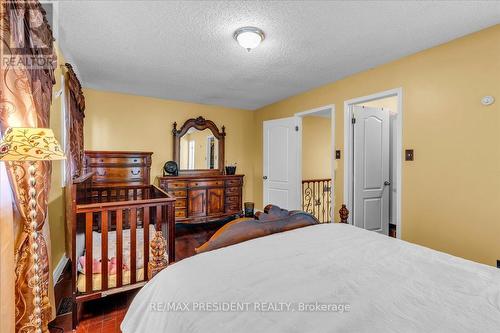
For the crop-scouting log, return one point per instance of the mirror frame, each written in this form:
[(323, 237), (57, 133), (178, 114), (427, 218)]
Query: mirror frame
[(200, 124)]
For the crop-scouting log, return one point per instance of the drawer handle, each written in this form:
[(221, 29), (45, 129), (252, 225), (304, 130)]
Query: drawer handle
[(135, 173), (101, 174), (135, 161)]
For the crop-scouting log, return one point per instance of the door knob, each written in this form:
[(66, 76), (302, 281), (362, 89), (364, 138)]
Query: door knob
[(387, 183), (265, 177)]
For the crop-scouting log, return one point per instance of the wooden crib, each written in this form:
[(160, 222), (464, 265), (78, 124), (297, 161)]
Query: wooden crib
[(118, 210)]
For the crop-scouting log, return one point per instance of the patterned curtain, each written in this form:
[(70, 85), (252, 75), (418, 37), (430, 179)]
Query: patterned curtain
[(75, 107), (74, 124), (27, 74)]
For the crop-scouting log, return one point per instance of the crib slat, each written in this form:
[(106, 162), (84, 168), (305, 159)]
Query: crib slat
[(88, 252), (171, 232), (145, 226), (158, 218), (119, 247), (104, 250), (133, 245)]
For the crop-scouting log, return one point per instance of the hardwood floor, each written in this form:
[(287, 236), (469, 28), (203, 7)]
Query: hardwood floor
[(105, 315)]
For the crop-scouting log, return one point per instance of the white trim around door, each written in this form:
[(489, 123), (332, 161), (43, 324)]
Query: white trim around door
[(398, 154), (315, 111)]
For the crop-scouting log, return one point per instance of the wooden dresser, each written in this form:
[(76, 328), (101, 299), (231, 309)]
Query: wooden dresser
[(118, 168), (204, 198)]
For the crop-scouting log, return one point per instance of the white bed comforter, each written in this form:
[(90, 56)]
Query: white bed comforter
[(389, 286)]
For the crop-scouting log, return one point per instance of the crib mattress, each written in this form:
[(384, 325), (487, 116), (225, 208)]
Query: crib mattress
[(96, 280)]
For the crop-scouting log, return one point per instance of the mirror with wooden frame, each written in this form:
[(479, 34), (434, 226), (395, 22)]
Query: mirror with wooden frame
[(199, 147)]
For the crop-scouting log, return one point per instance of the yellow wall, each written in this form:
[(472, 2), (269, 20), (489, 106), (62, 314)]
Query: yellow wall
[(116, 121), (56, 197), (451, 191), (316, 148)]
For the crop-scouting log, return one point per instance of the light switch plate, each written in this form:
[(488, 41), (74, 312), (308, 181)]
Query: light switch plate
[(409, 155)]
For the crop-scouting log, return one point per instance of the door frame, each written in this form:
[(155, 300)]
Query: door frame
[(310, 112), (298, 183), (398, 154)]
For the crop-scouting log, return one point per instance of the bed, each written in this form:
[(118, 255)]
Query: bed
[(319, 278)]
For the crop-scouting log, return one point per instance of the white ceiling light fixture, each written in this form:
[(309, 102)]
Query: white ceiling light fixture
[(249, 37)]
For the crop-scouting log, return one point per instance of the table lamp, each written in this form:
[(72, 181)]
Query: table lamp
[(32, 145)]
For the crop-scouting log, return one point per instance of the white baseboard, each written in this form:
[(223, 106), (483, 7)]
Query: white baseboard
[(59, 268)]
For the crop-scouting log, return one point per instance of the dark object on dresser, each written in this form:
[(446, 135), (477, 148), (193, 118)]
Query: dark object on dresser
[(272, 220), (170, 168), (204, 198), (231, 170), (118, 168)]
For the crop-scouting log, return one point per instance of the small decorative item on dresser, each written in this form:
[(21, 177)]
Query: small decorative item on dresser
[(249, 209), (231, 169), (170, 168)]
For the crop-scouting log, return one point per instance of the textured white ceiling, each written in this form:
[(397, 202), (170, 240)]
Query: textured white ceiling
[(184, 50)]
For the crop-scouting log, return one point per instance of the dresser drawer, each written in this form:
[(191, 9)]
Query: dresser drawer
[(174, 185), (232, 199), (180, 203), (233, 207), (117, 160), (180, 212), (178, 193), (233, 182), (233, 190), (118, 174), (207, 183)]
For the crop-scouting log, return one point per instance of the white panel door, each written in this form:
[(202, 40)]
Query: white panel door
[(281, 175), (371, 169)]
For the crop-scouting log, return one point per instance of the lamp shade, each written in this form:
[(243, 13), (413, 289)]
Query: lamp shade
[(30, 144)]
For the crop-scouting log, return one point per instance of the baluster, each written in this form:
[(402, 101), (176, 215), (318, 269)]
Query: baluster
[(315, 213), (323, 201), (303, 197), (119, 247), (88, 252), (328, 196), (133, 246), (104, 250)]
